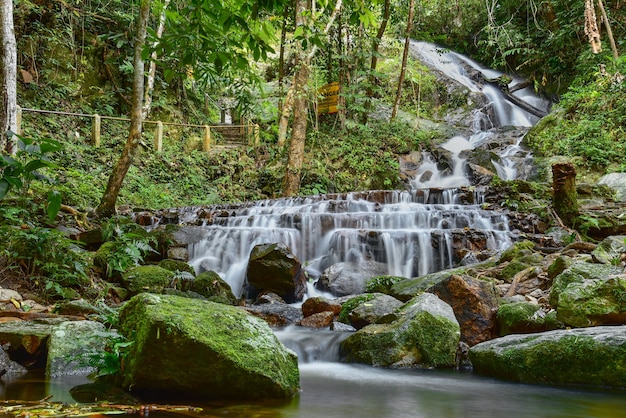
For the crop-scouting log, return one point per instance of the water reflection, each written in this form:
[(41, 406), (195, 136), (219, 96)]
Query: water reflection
[(333, 390)]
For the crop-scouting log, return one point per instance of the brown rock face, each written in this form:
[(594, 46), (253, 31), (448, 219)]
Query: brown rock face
[(474, 303), (316, 305), (274, 268), (318, 320)]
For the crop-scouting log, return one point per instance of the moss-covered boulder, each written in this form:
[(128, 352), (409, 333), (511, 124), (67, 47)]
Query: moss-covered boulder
[(199, 349), (102, 256), (177, 265), (589, 294), (583, 356), (150, 278), (352, 303), (210, 285), (426, 334), (525, 318)]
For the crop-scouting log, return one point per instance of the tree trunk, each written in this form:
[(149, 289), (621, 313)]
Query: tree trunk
[(8, 80), (374, 60), (281, 59), (300, 100), (107, 204), (565, 197), (147, 102), (405, 56), (609, 32)]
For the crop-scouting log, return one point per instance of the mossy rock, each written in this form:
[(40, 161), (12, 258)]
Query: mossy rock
[(198, 349), (426, 334), (103, 254), (514, 251), (382, 284), (177, 265), (210, 285), (583, 356), (579, 272), (407, 289), (559, 265), (524, 318), (348, 306), (150, 278)]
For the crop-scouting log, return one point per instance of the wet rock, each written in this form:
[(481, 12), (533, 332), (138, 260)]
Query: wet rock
[(318, 320), (79, 307), (474, 303), (616, 181), (370, 311), (210, 285), (9, 366), (589, 294), (610, 250), (350, 277), (584, 356), (177, 266), (274, 268), (276, 314), (199, 349), (426, 334), (407, 289), (319, 304), (525, 318)]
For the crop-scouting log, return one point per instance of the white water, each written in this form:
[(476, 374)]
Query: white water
[(411, 232), (497, 113)]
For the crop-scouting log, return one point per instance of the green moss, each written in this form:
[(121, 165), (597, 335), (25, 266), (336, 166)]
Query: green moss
[(559, 357), (382, 284), (351, 304), (176, 265), (514, 251), (524, 317), (235, 355), (147, 279), (210, 285), (578, 273)]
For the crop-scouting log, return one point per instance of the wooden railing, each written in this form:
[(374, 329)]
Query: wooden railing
[(248, 131)]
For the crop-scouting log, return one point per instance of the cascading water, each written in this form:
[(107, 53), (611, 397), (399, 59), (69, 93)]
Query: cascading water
[(499, 111), (412, 233)]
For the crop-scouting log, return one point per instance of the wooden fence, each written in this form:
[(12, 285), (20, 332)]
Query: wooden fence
[(247, 132)]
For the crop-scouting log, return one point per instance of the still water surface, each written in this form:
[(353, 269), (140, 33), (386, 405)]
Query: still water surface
[(334, 390)]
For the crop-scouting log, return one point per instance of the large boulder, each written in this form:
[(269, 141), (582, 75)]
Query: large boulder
[(474, 303), (590, 294), (616, 181), (274, 268), (349, 277), (210, 285), (407, 289), (425, 334), (583, 356), (200, 349)]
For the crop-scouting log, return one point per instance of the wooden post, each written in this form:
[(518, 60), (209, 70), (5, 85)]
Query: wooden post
[(18, 120), (158, 136), (95, 130), (257, 135), (206, 145)]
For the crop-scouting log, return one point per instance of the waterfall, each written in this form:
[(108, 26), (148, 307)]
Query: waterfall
[(411, 233)]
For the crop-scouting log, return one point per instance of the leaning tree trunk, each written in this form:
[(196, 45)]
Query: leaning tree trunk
[(405, 57), (565, 197), (374, 61), (107, 204), (8, 79)]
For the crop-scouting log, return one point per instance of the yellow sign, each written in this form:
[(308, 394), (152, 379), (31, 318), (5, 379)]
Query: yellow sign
[(328, 97)]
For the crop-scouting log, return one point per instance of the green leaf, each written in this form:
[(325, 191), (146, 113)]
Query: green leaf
[(4, 188), (54, 204)]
